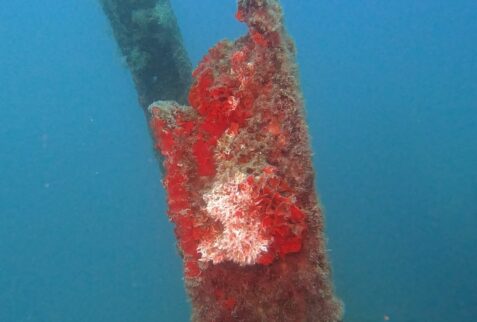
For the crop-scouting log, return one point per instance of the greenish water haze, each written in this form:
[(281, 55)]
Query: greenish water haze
[(391, 98)]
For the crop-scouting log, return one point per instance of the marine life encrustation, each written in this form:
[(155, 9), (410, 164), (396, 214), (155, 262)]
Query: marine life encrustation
[(240, 182)]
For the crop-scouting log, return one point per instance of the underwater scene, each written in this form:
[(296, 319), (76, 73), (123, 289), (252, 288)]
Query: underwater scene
[(238, 160)]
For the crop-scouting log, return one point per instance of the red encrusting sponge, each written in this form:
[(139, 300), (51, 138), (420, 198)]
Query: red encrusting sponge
[(239, 181)]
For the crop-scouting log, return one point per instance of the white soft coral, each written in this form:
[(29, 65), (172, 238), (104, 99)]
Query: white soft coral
[(242, 240)]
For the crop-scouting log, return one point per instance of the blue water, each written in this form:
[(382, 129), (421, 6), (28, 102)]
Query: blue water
[(391, 97)]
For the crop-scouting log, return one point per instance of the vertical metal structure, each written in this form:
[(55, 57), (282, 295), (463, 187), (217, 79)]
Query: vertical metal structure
[(237, 164), (150, 41)]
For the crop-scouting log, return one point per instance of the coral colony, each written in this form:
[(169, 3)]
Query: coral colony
[(240, 182)]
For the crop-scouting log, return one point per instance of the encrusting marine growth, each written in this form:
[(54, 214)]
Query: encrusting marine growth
[(240, 182)]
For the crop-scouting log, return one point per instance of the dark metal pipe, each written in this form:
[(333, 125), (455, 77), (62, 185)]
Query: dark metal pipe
[(149, 38)]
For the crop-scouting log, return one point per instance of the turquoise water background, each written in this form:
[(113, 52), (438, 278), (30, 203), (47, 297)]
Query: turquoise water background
[(391, 99)]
